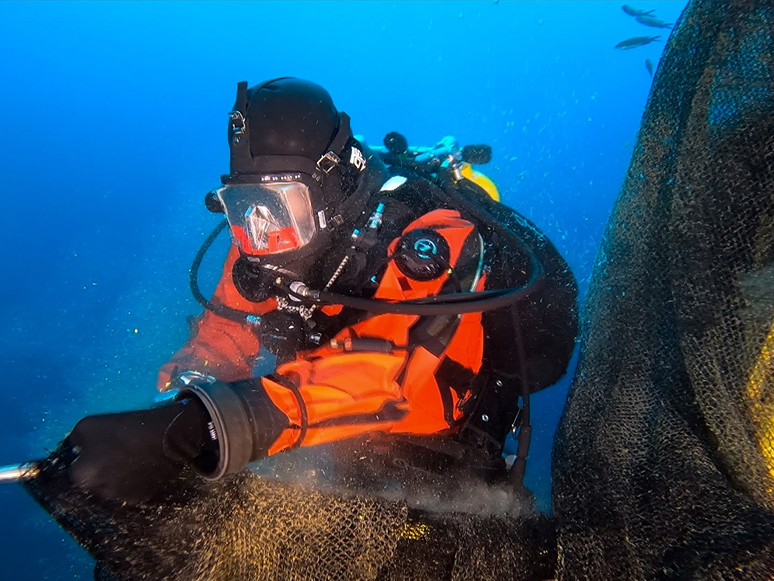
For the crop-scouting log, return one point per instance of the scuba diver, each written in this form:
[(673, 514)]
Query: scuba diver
[(410, 313)]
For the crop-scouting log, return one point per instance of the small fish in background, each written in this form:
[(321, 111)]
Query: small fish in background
[(636, 41), (652, 21), (649, 66), (634, 12)]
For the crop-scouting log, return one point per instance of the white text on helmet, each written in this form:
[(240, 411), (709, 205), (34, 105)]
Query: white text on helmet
[(356, 158)]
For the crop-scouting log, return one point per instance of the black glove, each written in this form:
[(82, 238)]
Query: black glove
[(129, 456)]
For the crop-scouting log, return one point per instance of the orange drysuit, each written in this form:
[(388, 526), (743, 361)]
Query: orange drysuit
[(341, 389)]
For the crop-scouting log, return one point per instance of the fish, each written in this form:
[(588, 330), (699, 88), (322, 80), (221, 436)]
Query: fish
[(649, 66), (654, 22), (634, 12), (636, 41)]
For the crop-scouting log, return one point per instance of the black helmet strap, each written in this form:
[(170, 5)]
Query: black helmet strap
[(274, 164), (241, 98), (332, 157)]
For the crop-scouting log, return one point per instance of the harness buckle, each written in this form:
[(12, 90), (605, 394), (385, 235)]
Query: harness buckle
[(328, 161)]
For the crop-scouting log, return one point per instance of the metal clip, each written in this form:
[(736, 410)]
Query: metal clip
[(191, 377), (328, 161), (181, 380), (19, 473), (455, 168), (238, 125)]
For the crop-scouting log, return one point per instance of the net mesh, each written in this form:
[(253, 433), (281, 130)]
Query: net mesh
[(249, 527), (664, 459)]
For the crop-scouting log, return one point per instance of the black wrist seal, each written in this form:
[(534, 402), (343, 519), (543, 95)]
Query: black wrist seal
[(243, 424)]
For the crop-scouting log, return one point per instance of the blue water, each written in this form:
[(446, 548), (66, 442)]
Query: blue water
[(112, 128)]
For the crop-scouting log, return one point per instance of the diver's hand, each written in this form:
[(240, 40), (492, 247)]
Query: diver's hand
[(130, 456)]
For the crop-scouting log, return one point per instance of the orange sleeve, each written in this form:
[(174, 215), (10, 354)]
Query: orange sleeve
[(350, 387), (220, 347)]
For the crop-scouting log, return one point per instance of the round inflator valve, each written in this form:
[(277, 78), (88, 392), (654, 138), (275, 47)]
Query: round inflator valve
[(253, 283), (422, 255)]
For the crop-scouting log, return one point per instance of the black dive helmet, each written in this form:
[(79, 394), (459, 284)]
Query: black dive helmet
[(288, 131)]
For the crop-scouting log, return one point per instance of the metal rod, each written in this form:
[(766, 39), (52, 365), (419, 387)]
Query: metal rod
[(18, 472)]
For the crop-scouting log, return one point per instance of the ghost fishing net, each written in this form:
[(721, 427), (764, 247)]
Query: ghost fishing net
[(248, 527), (664, 460)]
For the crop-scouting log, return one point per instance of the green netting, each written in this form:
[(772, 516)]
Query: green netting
[(249, 527), (663, 460)]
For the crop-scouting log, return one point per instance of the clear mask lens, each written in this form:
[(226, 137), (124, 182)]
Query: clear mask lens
[(268, 218)]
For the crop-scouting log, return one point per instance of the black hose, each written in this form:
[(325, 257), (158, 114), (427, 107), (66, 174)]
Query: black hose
[(193, 279), (448, 304), (519, 468), (452, 304), (460, 202)]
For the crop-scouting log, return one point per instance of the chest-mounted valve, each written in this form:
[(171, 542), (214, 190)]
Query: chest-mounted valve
[(422, 255)]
